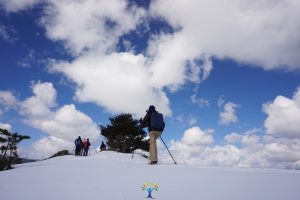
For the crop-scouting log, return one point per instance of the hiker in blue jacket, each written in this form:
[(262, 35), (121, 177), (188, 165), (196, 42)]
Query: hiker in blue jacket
[(154, 121), (78, 146)]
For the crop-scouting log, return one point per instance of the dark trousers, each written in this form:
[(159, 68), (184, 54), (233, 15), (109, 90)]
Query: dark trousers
[(77, 150), (86, 151)]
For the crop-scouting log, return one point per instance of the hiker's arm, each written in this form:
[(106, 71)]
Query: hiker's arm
[(145, 122)]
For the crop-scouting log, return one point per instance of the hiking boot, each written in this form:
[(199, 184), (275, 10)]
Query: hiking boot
[(153, 163)]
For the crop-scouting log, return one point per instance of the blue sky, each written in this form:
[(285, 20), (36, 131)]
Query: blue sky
[(218, 78)]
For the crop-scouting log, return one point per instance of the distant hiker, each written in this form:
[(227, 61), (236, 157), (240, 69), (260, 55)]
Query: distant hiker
[(82, 149), (86, 145), (78, 146), (155, 123), (103, 146)]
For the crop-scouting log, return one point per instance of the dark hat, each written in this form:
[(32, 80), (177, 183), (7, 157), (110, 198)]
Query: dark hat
[(151, 108)]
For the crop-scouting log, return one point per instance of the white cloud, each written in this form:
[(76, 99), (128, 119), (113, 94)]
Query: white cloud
[(264, 27), (246, 138), (249, 140), (63, 124), (7, 101), (192, 121), (169, 55), (50, 145), (279, 153), (227, 155), (283, 152), (192, 149), (199, 69), (119, 82), (253, 150), (253, 131), (89, 25), (228, 116), (37, 108), (90, 30), (5, 126), (283, 116), (201, 102), (233, 138), (45, 148), (196, 136), (69, 123), (17, 5)]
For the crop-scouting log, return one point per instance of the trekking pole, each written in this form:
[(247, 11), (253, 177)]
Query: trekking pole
[(168, 150), (139, 130)]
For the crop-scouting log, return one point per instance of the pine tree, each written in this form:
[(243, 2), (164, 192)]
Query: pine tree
[(124, 134), (9, 148)]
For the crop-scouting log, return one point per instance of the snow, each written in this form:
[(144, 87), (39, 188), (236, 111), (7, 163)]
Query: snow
[(113, 176)]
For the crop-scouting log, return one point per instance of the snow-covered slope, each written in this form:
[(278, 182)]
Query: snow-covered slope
[(114, 176)]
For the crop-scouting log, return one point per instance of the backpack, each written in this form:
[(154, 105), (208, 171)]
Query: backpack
[(157, 121), (77, 142)]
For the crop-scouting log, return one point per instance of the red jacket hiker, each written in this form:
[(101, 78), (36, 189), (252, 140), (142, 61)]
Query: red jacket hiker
[(86, 145)]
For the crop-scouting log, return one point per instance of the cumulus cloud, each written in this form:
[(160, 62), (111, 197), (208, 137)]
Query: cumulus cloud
[(68, 123), (118, 82), (5, 126), (247, 149), (279, 153), (48, 146), (38, 107), (196, 136), (282, 152), (283, 116), (168, 54), (192, 143), (249, 140), (63, 124), (233, 138), (228, 116), (246, 138), (89, 25), (17, 5), (262, 26), (7, 101), (193, 149), (91, 30)]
